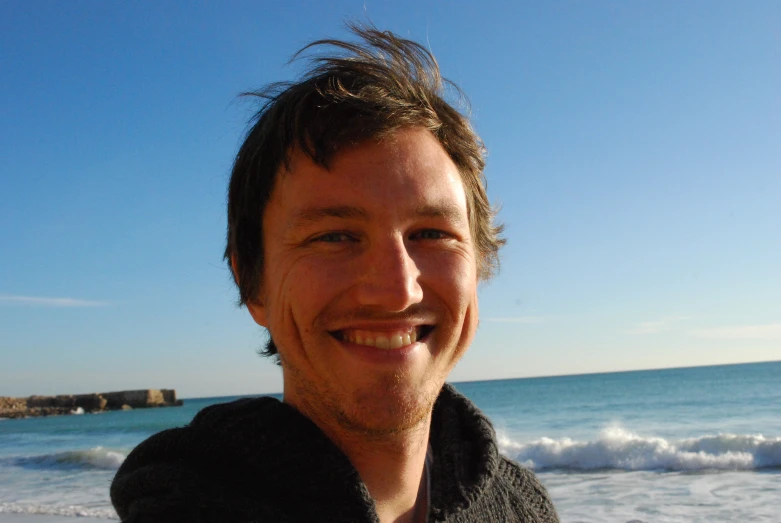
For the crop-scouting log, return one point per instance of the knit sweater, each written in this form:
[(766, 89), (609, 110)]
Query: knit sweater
[(261, 461)]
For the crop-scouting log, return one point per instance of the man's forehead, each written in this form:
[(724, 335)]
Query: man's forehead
[(407, 175)]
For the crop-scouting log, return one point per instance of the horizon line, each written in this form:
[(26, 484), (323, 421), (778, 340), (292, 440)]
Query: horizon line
[(544, 376)]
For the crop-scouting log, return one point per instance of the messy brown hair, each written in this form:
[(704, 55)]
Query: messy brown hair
[(362, 91)]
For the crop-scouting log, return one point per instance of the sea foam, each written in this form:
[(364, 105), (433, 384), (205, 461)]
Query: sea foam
[(72, 511), (619, 449)]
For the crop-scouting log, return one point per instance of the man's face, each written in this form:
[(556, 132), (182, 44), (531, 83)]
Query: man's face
[(370, 281)]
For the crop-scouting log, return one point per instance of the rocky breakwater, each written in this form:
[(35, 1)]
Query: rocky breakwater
[(87, 403)]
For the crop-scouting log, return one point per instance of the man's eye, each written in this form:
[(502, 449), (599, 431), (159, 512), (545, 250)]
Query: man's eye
[(430, 234), (333, 237)]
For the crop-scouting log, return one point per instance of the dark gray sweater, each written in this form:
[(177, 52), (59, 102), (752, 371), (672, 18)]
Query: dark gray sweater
[(261, 461)]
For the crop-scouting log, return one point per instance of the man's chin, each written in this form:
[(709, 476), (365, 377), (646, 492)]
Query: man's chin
[(384, 412)]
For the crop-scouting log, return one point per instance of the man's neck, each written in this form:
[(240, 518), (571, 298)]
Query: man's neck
[(390, 465), (393, 469)]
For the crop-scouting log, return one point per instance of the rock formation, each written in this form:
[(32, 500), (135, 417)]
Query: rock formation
[(77, 403)]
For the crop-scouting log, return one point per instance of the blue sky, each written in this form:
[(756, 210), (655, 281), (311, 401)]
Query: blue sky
[(633, 148)]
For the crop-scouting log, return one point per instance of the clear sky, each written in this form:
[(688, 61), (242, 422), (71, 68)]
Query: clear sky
[(634, 148)]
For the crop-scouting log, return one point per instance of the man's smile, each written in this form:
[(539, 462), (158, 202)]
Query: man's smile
[(383, 339)]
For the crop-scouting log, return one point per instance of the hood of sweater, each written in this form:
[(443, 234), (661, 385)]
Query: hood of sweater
[(260, 452)]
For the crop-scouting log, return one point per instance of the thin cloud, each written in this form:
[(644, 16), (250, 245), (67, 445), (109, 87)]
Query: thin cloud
[(655, 327), (517, 319), (769, 331), (49, 302)]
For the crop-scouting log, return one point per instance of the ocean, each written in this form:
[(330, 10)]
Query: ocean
[(676, 445)]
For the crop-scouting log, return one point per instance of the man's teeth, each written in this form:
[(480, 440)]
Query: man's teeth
[(382, 340)]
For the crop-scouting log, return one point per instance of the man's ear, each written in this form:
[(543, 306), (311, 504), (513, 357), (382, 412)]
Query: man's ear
[(255, 307), (258, 312), (235, 268)]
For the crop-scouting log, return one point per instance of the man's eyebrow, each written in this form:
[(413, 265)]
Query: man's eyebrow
[(315, 214), (449, 212), (309, 215)]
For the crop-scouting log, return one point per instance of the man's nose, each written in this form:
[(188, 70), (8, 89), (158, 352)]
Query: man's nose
[(389, 276)]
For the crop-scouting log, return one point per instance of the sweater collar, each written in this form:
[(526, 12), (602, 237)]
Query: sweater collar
[(301, 464), (466, 458)]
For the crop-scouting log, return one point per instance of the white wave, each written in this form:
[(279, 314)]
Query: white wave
[(102, 458), (73, 511), (616, 448), (95, 458)]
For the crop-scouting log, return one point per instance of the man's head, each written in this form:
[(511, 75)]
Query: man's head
[(358, 217)]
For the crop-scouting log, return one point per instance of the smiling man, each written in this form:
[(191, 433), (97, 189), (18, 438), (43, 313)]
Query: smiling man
[(358, 230)]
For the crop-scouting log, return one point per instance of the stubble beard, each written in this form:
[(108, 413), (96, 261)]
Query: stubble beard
[(395, 401), (389, 407), (392, 406)]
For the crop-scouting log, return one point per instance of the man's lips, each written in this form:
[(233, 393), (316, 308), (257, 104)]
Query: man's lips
[(384, 339)]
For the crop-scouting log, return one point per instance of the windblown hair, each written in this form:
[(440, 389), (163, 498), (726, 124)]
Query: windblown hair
[(363, 91)]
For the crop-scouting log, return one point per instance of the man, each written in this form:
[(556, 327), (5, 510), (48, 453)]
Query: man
[(358, 230)]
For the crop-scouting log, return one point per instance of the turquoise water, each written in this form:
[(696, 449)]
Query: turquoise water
[(697, 444), (743, 399)]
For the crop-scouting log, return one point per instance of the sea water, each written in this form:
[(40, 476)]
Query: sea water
[(677, 445)]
